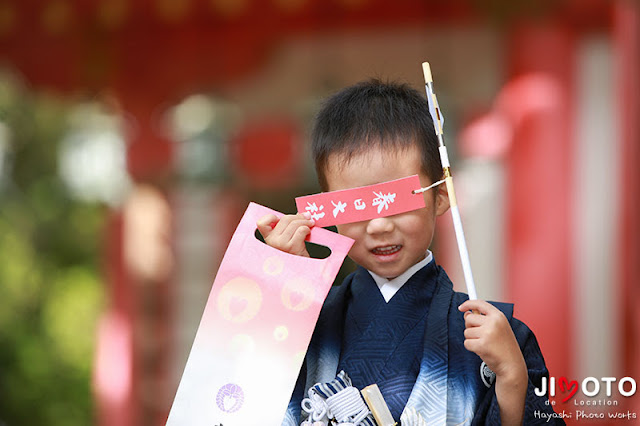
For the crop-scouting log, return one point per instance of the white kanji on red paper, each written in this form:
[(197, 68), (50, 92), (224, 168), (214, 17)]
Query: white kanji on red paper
[(316, 212), (339, 208), (363, 203), (383, 200)]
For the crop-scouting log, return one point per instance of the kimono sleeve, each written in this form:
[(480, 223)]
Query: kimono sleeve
[(537, 410)]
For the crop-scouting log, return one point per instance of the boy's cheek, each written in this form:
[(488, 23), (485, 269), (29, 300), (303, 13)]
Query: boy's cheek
[(350, 230)]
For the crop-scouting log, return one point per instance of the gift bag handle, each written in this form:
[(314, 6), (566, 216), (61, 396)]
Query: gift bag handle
[(337, 244)]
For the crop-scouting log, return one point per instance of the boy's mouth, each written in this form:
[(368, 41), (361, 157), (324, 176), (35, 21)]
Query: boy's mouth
[(386, 250)]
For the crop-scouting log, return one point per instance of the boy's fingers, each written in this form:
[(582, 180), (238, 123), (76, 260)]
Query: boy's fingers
[(287, 233), (288, 229), (287, 219), (474, 320), (301, 234), (472, 333), (472, 345), (296, 244), (266, 224), (477, 306)]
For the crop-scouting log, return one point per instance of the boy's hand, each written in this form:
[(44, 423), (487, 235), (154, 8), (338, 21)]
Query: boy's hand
[(286, 233), (489, 335)]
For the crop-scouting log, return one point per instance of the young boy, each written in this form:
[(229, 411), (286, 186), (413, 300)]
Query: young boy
[(396, 321)]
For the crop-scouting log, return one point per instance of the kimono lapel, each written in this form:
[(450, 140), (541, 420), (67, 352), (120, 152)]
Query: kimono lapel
[(323, 353), (364, 303), (373, 346), (429, 395)]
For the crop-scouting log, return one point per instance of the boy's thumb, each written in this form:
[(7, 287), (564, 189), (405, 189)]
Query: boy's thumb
[(266, 224)]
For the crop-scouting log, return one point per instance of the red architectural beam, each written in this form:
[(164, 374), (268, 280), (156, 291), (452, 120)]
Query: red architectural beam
[(167, 48)]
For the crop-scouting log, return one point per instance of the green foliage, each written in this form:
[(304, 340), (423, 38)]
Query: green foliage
[(50, 289)]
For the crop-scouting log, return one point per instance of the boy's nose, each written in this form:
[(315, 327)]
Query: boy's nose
[(379, 225)]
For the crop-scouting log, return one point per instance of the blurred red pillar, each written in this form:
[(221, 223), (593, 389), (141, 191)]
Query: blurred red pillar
[(135, 332), (538, 186), (626, 35), (113, 363)]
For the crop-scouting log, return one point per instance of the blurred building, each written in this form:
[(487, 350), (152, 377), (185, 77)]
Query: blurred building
[(214, 99)]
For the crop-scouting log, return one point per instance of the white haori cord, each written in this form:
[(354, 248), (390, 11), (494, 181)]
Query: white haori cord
[(316, 407), (346, 406)]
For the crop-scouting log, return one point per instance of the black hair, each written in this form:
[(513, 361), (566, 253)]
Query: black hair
[(387, 115)]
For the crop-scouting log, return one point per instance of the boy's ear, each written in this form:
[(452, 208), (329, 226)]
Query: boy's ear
[(442, 199)]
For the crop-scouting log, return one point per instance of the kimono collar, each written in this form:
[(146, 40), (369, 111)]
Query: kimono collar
[(389, 287)]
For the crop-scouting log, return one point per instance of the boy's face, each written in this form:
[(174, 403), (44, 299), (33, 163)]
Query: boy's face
[(388, 246)]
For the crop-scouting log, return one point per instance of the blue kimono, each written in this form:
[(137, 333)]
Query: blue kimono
[(413, 349)]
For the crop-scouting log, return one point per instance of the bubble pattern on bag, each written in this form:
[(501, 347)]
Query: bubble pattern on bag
[(297, 294), (240, 300)]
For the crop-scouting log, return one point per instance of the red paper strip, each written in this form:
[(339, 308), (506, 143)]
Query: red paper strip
[(363, 203)]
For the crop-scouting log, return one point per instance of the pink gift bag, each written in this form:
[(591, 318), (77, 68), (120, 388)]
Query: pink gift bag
[(255, 330)]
